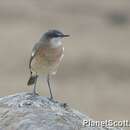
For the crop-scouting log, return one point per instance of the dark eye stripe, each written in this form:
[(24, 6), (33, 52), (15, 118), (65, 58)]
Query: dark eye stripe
[(53, 33)]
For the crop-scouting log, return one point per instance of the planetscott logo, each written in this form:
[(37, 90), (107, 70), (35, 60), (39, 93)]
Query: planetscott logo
[(106, 123)]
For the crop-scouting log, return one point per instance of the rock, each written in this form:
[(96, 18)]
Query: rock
[(23, 111)]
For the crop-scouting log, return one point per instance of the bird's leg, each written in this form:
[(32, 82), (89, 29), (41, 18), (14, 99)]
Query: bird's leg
[(49, 85), (34, 87)]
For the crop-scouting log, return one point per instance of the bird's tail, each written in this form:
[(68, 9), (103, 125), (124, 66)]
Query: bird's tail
[(32, 80)]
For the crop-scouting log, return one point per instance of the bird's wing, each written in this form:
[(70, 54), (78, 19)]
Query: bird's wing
[(34, 52)]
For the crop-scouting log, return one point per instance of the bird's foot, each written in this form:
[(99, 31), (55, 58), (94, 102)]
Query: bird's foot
[(35, 94), (51, 99)]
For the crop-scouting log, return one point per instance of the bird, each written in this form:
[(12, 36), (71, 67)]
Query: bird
[(45, 58)]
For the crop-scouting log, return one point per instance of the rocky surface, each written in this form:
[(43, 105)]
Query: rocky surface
[(23, 111)]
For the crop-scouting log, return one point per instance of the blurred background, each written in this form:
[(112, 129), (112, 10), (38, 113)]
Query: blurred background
[(94, 76)]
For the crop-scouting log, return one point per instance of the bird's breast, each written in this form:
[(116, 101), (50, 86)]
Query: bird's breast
[(50, 55), (47, 59)]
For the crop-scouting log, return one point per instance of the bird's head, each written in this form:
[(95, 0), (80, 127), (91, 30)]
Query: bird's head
[(53, 36)]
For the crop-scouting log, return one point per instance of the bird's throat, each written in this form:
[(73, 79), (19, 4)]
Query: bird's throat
[(55, 42)]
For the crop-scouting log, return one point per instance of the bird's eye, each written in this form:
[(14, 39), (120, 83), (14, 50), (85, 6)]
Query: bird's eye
[(55, 35)]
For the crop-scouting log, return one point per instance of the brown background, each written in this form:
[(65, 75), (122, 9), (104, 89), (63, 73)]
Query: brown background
[(94, 76)]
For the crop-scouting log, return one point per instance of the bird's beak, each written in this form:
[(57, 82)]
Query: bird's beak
[(65, 35)]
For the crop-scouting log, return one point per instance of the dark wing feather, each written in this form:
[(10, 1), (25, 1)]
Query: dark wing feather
[(34, 52)]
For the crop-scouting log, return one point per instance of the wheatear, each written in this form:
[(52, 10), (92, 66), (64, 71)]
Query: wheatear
[(46, 57)]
